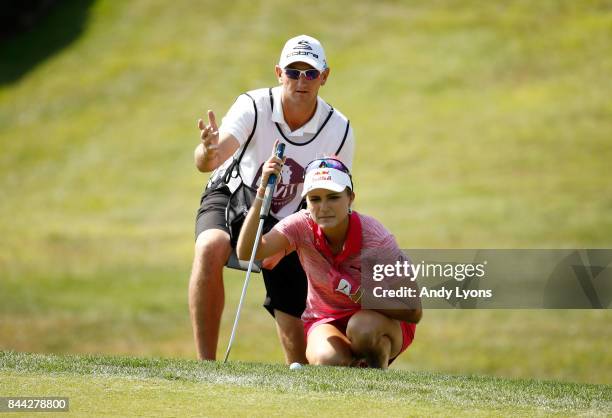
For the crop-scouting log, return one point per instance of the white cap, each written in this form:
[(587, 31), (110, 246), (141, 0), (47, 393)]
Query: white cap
[(328, 179), (303, 48)]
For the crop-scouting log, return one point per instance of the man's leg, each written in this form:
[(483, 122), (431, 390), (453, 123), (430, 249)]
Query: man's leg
[(206, 292), (286, 290), (291, 335)]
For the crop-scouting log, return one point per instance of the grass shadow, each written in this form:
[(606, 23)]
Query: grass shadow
[(61, 26)]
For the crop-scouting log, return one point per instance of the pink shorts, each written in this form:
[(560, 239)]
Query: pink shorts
[(408, 329)]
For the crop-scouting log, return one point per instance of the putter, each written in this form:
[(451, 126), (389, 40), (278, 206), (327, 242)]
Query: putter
[(265, 208)]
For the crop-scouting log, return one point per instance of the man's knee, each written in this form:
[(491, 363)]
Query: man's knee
[(213, 247)]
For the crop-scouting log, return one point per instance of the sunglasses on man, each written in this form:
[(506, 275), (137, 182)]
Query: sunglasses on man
[(310, 74)]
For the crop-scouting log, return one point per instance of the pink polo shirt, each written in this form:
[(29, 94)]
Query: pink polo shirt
[(334, 281)]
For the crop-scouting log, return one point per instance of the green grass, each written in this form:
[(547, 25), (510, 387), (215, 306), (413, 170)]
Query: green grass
[(100, 385), (478, 125)]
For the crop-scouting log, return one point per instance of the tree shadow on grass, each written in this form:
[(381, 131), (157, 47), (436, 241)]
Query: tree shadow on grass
[(61, 25)]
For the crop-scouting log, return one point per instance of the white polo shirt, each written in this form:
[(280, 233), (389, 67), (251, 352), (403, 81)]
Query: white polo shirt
[(327, 133)]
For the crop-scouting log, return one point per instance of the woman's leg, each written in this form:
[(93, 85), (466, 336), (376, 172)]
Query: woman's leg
[(374, 337), (327, 346)]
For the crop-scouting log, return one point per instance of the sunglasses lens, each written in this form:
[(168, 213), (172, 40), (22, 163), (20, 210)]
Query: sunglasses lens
[(312, 74), (327, 163), (291, 73), (294, 74), (336, 164)]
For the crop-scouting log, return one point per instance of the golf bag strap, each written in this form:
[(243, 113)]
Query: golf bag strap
[(248, 141), (233, 262), (236, 164)]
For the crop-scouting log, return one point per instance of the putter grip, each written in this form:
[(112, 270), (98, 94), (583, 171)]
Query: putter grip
[(265, 207)]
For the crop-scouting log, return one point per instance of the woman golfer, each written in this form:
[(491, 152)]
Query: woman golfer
[(329, 239)]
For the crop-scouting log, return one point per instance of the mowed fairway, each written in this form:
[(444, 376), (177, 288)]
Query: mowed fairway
[(132, 386), (478, 125)]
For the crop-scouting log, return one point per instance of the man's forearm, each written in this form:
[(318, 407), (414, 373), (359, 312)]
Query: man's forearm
[(249, 227)]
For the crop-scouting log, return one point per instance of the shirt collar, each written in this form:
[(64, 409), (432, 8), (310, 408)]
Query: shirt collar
[(311, 127), (352, 244)]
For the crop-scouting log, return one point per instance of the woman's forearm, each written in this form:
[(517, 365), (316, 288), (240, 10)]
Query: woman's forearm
[(249, 227)]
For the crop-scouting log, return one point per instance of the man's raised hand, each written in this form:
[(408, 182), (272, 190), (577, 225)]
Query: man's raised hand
[(210, 136)]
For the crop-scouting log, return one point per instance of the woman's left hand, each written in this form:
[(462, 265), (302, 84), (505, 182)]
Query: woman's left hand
[(272, 166)]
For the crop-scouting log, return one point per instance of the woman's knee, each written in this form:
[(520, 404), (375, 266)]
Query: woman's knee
[(329, 356), (327, 346), (365, 328)]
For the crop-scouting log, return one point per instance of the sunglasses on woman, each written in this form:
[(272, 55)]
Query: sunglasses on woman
[(310, 74), (327, 163)]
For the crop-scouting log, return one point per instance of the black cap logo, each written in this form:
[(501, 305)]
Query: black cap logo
[(303, 45)]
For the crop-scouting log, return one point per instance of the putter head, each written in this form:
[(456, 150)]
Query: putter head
[(234, 263)]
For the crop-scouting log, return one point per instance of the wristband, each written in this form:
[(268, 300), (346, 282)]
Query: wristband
[(258, 197)]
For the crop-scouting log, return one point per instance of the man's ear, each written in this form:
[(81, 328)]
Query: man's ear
[(324, 76), (279, 73)]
